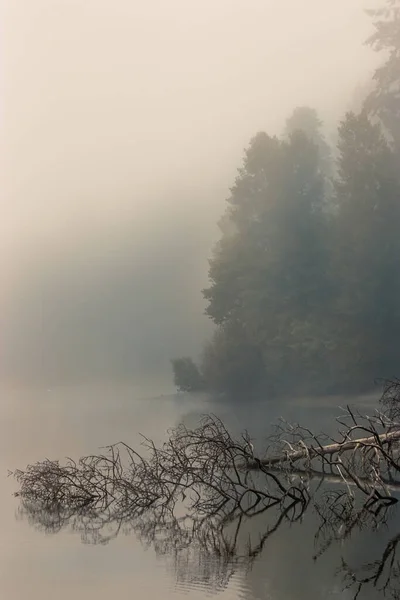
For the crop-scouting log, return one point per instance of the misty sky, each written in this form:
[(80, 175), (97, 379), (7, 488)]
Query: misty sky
[(123, 125)]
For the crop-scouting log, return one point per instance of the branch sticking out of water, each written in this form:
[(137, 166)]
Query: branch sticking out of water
[(206, 473), (201, 469)]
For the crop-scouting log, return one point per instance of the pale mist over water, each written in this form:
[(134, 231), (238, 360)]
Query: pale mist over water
[(123, 124)]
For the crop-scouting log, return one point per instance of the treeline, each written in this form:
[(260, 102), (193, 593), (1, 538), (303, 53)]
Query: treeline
[(305, 279)]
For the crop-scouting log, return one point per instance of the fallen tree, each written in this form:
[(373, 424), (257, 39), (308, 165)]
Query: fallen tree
[(202, 485), (377, 441), (366, 453), (209, 471), (200, 468)]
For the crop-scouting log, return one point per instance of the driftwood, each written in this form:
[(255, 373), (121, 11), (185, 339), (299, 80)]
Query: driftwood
[(213, 473), (215, 482), (310, 452), (214, 469), (210, 473)]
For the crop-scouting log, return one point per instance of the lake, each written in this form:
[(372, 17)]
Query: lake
[(73, 421)]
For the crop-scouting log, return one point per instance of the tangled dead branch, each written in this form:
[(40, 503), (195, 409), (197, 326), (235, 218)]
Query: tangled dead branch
[(208, 472), (190, 494), (382, 574), (210, 551), (200, 470), (364, 455), (196, 492)]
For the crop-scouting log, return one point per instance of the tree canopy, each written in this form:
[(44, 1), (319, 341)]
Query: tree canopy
[(384, 100), (304, 282)]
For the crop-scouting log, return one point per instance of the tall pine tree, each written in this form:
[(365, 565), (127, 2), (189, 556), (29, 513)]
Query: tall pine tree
[(268, 272), (367, 253), (384, 101)]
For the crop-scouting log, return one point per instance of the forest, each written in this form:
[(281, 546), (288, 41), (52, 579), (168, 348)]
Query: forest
[(304, 282)]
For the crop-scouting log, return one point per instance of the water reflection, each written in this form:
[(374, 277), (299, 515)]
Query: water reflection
[(209, 552), (382, 574), (282, 569)]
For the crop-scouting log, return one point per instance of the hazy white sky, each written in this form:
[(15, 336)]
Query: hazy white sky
[(126, 119), (112, 103)]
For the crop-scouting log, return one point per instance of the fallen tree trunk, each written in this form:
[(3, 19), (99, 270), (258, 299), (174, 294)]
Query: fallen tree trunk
[(210, 471), (310, 452)]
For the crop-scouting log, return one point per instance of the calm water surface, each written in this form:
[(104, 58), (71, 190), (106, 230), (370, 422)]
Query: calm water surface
[(75, 421)]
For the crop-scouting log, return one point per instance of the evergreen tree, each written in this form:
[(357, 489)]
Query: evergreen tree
[(231, 362), (384, 101), (268, 273), (304, 298), (305, 119), (367, 251)]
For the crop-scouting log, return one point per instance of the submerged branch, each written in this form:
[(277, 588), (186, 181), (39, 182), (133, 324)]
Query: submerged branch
[(310, 452), (198, 490), (207, 475), (208, 471), (198, 469)]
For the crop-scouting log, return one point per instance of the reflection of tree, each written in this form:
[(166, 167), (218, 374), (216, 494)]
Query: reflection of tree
[(382, 574), (193, 497), (207, 551)]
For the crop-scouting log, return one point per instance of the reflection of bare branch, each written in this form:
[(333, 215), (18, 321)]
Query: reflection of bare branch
[(209, 550), (341, 517), (190, 496), (210, 470), (207, 478), (382, 574)]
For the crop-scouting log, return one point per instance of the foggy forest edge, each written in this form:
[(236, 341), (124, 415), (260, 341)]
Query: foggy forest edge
[(304, 287)]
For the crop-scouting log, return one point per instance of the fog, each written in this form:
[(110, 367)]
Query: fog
[(123, 125)]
